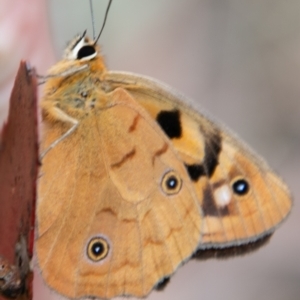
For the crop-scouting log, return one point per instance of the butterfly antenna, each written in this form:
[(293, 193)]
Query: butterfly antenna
[(104, 21), (93, 19)]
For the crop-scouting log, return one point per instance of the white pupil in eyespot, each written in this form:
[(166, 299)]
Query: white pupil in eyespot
[(241, 187), (172, 182), (97, 248)]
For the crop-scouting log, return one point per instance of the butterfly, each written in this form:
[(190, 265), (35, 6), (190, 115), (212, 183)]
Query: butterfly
[(134, 182)]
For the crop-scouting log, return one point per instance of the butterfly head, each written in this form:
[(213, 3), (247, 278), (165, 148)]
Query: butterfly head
[(81, 58), (81, 48)]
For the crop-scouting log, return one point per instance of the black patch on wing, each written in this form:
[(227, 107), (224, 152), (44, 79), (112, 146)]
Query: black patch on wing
[(195, 171), (209, 206), (213, 146), (169, 121), (162, 284), (231, 251)]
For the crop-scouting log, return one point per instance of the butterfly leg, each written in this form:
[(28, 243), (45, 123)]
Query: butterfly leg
[(43, 79), (60, 115)]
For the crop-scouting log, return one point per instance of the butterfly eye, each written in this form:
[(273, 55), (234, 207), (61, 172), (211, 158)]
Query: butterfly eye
[(86, 52), (97, 249), (240, 187), (171, 183), (83, 49)]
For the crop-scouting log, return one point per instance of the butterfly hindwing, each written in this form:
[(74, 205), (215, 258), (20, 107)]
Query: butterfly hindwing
[(116, 203)]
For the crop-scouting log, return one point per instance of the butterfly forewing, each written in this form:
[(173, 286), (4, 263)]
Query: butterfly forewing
[(242, 199)]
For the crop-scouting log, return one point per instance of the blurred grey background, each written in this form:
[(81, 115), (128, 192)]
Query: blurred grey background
[(240, 60)]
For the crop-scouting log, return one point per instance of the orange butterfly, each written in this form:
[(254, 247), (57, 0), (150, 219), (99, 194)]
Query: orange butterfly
[(135, 182)]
